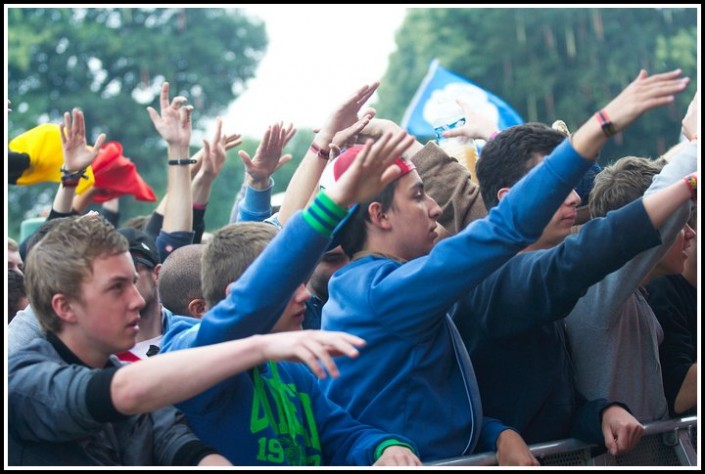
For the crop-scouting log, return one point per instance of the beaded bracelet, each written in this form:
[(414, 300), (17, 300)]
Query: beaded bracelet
[(692, 181), (605, 123), (183, 161), (319, 151)]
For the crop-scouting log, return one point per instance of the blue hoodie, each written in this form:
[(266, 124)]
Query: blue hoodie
[(250, 418), (412, 378)]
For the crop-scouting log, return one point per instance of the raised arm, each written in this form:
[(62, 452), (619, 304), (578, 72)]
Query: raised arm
[(304, 182), (256, 194), (166, 379), (254, 304), (77, 157), (174, 125), (643, 94)]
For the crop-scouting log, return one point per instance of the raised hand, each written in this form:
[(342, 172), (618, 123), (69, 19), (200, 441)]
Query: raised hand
[(77, 154), (174, 121), (214, 152), (346, 114), (372, 169), (316, 349), (268, 157), (231, 141), (348, 136), (476, 125), (643, 94)]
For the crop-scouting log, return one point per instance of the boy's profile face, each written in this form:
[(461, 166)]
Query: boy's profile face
[(106, 319), (673, 261), (413, 217)]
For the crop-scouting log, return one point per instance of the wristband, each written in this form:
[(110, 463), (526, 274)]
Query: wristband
[(692, 181), (605, 123), (182, 161), (319, 151), (70, 179)]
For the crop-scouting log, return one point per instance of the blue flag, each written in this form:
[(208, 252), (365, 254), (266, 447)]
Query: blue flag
[(442, 86)]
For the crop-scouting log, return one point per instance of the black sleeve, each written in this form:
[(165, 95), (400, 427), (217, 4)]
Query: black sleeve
[(98, 397), (199, 224), (191, 453), (154, 225)]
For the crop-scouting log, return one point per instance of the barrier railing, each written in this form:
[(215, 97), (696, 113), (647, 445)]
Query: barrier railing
[(665, 443)]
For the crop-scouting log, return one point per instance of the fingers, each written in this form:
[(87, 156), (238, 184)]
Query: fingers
[(99, 142), (365, 96), (185, 115), (370, 113), (233, 140), (283, 160), (323, 358), (246, 160), (64, 128), (290, 132), (164, 96), (79, 124), (454, 132), (218, 130), (153, 115)]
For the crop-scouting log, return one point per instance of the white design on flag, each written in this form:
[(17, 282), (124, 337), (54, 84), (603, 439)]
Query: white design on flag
[(441, 86)]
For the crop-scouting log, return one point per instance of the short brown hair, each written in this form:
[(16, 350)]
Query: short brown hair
[(232, 249), (63, 259), (622, 182)]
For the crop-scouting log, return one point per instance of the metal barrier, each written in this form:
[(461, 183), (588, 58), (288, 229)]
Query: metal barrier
[(664, 443)]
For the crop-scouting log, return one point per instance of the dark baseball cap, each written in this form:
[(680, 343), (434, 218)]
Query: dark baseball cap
[(142, 247)]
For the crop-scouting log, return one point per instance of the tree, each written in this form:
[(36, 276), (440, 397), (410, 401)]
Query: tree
[(111, 63), (551, 63)]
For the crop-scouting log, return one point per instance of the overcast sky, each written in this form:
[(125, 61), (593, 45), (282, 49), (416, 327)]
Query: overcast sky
[(317, 56)]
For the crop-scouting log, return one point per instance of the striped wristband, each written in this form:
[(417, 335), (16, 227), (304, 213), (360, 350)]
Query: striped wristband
[(324, 214)]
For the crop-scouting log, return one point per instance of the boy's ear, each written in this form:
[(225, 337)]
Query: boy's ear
[(197, 306), (63, 308), (501, 193), (378, 217)]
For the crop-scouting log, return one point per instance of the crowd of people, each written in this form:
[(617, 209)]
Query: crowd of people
[(392, 312)]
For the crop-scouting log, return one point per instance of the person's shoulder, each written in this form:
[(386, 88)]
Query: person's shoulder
[(176, 335), (35, 351)]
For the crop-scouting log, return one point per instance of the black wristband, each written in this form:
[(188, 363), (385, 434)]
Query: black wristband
[(182, 161)]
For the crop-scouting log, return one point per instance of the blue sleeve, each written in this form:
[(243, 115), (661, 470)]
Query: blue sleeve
[(491, 429), (429, 285), (255, 205), (259, 296), (538, 287), (587, 420)]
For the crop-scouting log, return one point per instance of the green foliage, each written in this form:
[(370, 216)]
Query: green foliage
[(111, 62), (551, 63)]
